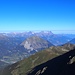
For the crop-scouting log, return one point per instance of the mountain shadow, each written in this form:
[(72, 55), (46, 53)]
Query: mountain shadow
[(61, 65)]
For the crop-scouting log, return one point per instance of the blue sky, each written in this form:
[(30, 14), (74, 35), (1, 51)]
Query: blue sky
[(20, 15)]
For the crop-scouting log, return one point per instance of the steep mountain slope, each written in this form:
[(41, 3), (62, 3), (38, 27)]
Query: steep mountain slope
[(61, 65), (36, 43), (23, 67)]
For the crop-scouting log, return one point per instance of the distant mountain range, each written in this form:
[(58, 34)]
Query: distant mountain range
[(72, 41), (56, 60), (3, 64), (16, 46), (56, 39)]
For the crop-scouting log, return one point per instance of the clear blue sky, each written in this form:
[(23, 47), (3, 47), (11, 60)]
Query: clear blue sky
[(16, 15)]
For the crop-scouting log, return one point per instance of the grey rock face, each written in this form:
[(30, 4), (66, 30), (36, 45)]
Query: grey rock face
[(35, 42)]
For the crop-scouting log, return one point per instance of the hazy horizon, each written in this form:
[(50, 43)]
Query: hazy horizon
[(37, 31)]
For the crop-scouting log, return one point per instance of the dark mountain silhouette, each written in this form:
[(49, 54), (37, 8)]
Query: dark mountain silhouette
[(61, 65)]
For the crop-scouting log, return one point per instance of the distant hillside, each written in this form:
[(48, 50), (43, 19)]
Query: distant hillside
[(36, 43), (13, 50), (3, 64), (30, 46), (2, 37), (72, 41), (7, 47), (25, 66)]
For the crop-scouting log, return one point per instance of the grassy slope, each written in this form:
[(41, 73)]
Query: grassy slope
[(24, 66)]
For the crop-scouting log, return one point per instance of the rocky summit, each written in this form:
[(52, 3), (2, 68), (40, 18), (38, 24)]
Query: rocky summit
[(36, 43)]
